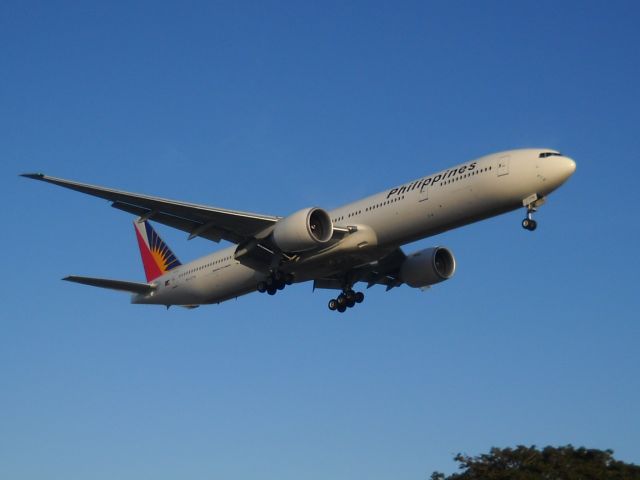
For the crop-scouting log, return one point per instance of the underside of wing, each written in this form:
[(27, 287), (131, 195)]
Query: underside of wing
[(121, 285), (385, 271), (198, 220)]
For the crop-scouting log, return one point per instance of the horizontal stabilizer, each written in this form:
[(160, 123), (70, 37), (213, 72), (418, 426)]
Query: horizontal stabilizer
[(133, 287)]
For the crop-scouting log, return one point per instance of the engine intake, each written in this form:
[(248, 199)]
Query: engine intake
[(303, 230), (428, 267)]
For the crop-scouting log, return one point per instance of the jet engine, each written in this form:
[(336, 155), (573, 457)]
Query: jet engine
[(428, 267), (303, 230)]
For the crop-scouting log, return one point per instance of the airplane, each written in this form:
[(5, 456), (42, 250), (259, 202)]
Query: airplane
[(356, 243)]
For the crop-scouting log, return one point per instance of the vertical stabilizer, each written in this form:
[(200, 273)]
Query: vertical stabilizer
[(157, 257)]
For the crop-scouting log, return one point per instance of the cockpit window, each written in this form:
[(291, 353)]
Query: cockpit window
[(550, 154)]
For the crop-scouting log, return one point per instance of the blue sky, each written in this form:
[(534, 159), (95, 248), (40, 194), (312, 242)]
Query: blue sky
[(275, 106)]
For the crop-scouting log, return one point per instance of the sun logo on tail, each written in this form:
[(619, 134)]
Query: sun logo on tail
[(157, 257), (162, 255)]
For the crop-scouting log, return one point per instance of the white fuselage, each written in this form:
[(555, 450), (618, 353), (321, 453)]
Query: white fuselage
[(460, 195)]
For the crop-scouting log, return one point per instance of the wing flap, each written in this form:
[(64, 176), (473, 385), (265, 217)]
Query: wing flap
[(121, 285), (194, 229)]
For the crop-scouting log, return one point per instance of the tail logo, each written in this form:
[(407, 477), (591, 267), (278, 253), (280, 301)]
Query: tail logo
[(157, 257)]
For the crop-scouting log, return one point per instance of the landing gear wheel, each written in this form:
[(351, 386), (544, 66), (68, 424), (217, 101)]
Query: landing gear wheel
[(531, 203), (352, 298), (342, 300), (347, 299), (529, 224), (274, 282)]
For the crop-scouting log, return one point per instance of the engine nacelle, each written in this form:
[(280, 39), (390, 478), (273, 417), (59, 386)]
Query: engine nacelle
[(303, 230), (428, 267)]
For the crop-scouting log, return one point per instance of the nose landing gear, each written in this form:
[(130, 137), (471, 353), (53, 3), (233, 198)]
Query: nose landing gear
[(347, 299), (529, 223), (532, 202)]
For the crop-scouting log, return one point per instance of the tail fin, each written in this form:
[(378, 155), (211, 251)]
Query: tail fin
[(157, 257)]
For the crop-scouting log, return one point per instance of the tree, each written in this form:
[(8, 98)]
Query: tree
[(550, 463)]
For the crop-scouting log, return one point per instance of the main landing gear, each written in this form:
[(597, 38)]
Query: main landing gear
[(346, 299), (274, 282)]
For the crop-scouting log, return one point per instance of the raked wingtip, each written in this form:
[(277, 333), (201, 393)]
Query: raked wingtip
[(35, 176)]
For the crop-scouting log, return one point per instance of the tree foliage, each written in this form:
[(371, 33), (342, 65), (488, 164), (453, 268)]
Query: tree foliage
[(550, 463)]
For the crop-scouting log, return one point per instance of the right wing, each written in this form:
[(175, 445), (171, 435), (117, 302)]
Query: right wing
[(198, 220), (385, 271), (133, 287)]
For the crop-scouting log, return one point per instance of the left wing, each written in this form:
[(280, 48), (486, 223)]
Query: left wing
[(198, 220)]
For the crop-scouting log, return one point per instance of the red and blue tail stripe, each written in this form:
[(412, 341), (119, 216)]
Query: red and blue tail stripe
[(157, 257)]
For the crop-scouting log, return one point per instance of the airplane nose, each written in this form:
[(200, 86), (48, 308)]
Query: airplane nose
[(568, 166), (556, 169)]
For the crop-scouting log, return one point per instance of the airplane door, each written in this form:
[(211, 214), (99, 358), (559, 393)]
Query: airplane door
[(503, 165)]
